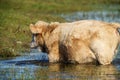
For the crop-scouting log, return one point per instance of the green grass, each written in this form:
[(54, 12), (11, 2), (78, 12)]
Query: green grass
[(16, 15)]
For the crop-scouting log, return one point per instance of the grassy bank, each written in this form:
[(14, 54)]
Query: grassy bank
[(16, 15)]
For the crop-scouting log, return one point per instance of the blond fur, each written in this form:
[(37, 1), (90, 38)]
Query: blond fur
[(82, 41)]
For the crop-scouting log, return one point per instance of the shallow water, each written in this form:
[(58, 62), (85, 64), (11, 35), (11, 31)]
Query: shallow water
[(107, 16), (35, 66)]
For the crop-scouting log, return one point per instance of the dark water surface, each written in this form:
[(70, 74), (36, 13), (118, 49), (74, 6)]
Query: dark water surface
[(35, 66)]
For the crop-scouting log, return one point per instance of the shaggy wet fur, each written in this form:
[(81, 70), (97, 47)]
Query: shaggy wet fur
[(84, 41)]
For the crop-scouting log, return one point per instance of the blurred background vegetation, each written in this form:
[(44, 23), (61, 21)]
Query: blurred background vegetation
[(16, 15)]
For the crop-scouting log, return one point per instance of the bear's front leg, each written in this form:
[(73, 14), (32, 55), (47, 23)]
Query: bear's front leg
[(53, 57), (53, 54)]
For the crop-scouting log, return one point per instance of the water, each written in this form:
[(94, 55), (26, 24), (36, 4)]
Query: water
[(95, 15), (35, 66)]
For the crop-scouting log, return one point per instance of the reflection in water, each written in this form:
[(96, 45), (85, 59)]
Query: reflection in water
[(76, 72), (30, 67)]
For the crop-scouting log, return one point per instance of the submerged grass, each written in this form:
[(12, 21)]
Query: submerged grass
[(16, 15)]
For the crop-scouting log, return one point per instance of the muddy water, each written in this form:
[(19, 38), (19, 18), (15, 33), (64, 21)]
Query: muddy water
[(35, 66)]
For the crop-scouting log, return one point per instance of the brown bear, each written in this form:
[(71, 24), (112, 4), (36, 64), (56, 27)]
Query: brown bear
[(85, 41)]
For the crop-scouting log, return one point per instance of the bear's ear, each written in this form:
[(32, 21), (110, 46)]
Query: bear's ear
[(34, 29), (53, 25)]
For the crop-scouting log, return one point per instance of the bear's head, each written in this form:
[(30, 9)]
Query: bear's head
[(38, 33)]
